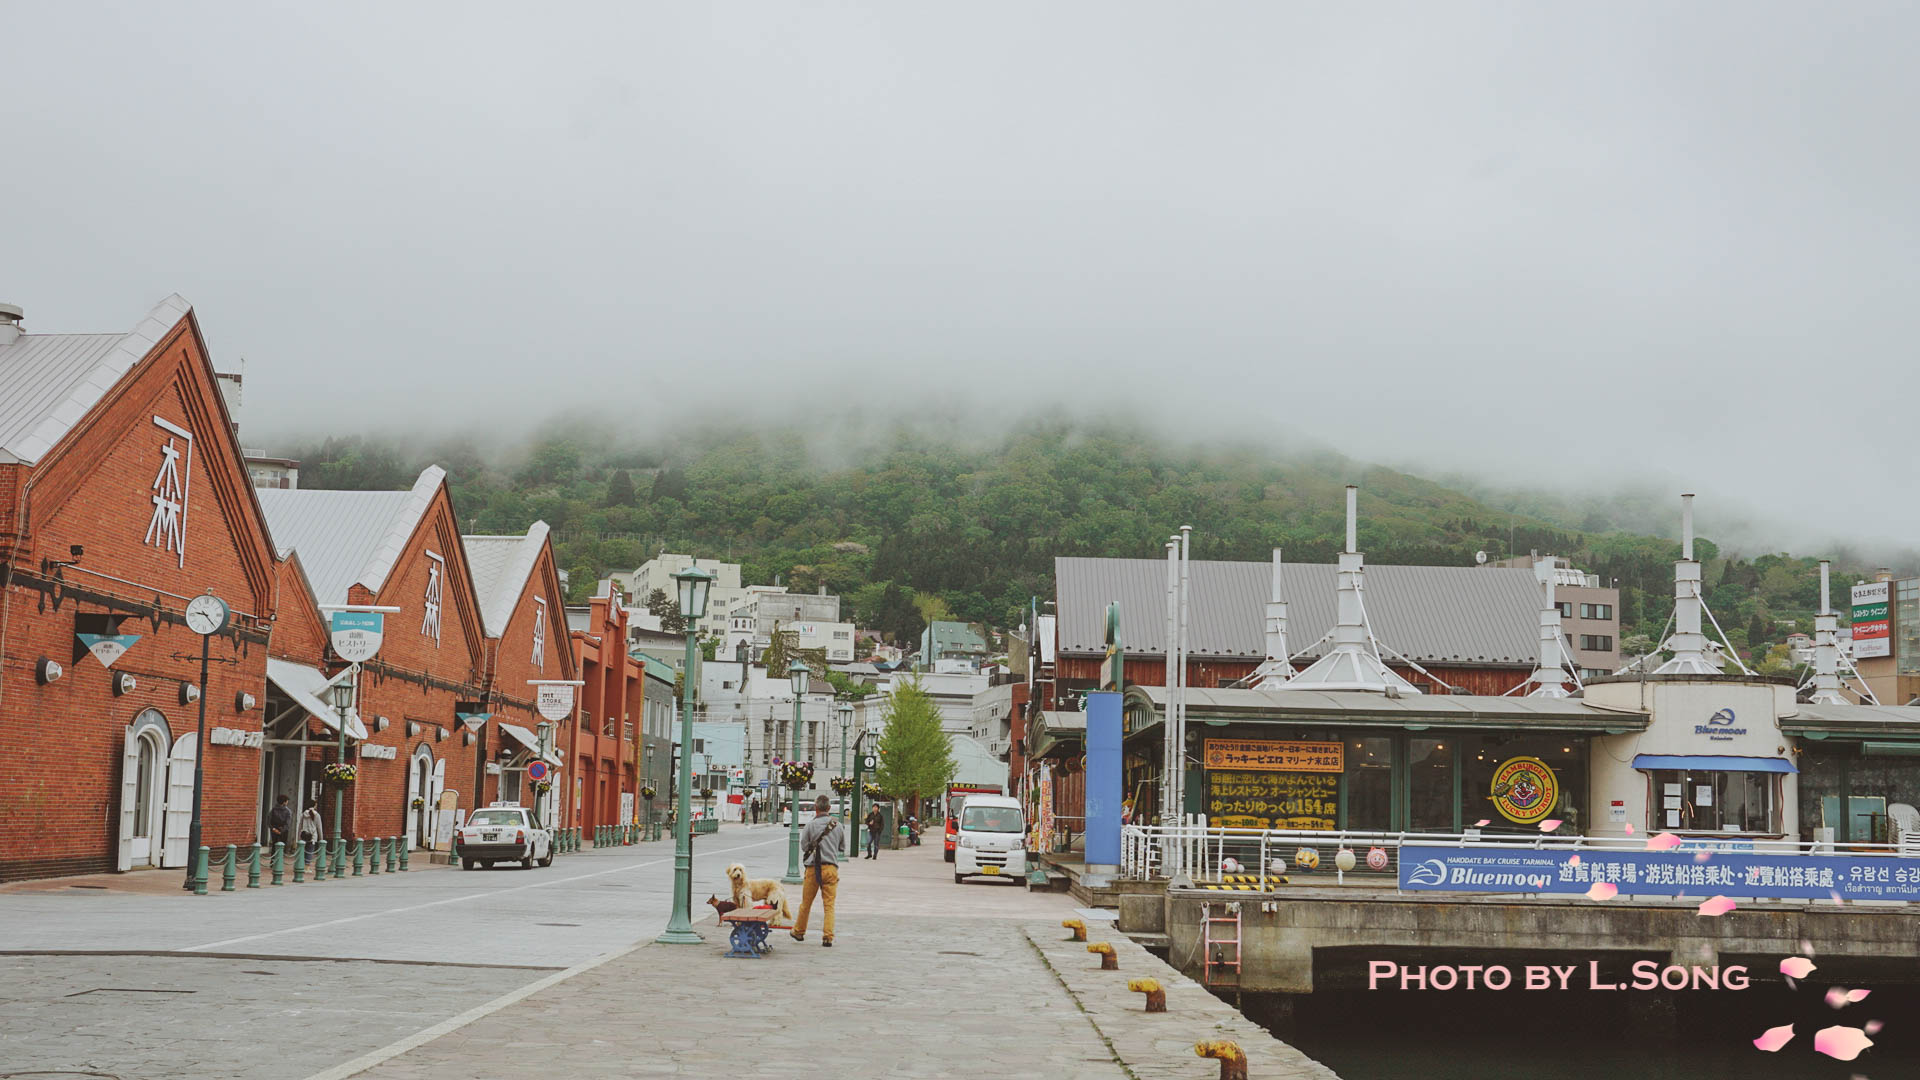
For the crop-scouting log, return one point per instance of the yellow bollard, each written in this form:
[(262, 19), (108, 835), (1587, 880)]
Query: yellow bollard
[(1156, 996), (1108, 961), (1233, 1060), (1079, 929)]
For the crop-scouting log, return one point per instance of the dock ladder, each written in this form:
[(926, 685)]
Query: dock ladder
[(1220, 954)]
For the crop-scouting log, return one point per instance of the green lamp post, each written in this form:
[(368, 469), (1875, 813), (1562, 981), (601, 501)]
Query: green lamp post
[(694, 584), (845, 709), (797, 674)]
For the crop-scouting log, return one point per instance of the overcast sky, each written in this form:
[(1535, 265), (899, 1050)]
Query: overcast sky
[(1551, 244)]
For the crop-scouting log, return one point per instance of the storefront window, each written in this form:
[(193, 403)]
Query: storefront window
[(1514, 782), (1906, 616), (1369, 783), (1690, 800), (1430, 785)]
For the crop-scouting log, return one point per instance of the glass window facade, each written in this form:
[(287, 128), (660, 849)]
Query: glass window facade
[(1369, 783), (1430, 799), (1691, 800)]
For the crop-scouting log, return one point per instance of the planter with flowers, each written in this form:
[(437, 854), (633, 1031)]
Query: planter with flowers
[(842, 785), (797, 775), (872, 791), (339, 775), (418, 803)]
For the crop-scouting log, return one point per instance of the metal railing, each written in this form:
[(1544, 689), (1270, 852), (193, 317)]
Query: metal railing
[(1203, 851)]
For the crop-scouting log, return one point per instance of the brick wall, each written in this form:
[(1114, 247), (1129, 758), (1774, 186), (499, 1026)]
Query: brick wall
[(65, 741)]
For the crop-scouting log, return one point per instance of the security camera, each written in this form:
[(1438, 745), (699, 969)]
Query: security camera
[(77, 552)]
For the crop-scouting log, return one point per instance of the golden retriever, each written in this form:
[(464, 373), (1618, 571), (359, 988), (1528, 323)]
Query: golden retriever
[(747, 890)]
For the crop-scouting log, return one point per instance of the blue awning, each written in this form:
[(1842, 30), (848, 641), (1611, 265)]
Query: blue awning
[(1713, 764)]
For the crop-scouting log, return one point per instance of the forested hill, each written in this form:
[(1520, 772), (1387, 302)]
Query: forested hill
[(972, 530)]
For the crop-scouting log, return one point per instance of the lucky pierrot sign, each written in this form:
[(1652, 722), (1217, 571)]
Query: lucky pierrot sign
[(1524, 790)]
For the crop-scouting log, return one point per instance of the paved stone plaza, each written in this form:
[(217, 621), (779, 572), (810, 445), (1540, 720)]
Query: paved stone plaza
[(926, 979)]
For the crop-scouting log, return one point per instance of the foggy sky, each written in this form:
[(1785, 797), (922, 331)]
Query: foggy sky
[(1547, 245)]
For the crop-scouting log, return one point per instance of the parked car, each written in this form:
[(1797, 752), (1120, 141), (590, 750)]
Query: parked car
[(990, 839), (503, 833)]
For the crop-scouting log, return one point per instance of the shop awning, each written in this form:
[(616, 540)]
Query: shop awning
[(531, 741), (308, 689), (1713, 764)]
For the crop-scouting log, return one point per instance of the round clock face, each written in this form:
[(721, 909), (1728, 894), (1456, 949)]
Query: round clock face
[(206, 615)]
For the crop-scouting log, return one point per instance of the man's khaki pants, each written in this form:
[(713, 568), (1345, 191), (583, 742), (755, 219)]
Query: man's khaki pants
[(824, 880)]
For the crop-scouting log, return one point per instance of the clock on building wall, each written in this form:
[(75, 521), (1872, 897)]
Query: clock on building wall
[(207, 614)]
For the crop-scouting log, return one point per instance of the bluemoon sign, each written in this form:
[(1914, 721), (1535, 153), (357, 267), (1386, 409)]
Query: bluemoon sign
[(1659, 873)]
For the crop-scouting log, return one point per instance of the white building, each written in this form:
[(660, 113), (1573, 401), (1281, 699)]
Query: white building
[(814, 618), (657, 573)]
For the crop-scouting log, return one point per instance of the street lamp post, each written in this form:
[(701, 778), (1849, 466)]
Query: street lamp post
[(845, 710), (343, 695), (797, 674), (694, 584)]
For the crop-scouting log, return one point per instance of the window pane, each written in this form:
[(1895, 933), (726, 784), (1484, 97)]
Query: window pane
[(1369, 781), (1430, 785)]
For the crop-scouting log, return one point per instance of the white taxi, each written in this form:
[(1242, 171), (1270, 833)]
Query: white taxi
[(503, 832)]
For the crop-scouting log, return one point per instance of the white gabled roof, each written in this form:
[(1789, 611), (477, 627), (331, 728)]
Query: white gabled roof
[(48, 382), (501, 566), (347, 538)]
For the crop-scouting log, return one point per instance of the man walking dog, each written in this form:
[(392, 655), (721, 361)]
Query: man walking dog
[(820, 848)]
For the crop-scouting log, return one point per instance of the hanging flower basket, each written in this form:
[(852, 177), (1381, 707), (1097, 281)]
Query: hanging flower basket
[(418, 803), (338, 774), (706, 793), (842, 785), (872, 791), (797, 775), (648, 793), (541, 787)]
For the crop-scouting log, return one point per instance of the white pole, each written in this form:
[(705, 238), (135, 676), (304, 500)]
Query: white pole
[(1180, 670), (1353, 519), (1169, 810)]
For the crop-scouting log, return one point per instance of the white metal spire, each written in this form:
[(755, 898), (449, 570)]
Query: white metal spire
[(1277, 668), (1687, 643), (1550, 677), (1353, 662), (1826, 649)]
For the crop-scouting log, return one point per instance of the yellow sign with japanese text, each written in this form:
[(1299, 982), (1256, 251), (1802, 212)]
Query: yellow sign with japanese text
[(1275, 756)]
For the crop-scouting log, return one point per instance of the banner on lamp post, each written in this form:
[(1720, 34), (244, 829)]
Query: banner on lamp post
[(356, 634)]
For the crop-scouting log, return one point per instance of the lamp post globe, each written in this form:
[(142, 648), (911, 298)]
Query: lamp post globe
[(694, 585), (797, 673)]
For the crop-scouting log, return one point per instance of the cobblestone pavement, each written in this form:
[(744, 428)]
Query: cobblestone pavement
[(150, 1017)]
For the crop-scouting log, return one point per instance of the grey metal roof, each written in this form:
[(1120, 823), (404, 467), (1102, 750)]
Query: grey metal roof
[(346, 538), (1865, 719), (1449, 710), (1434, 614), (48, 382), (501, 566)]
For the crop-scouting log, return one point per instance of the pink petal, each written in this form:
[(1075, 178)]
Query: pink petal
[(1837, 998), (1835, 893), (1663, 842), (1481, 822), (1603, 890), (1873, 1027), (1719, 905), (1797, 967), (1857, 995), (1702, 856), (1775, 1038), (1629, 830), (1806, 946), (1841, 1043), (1550, 824), (1573, 860)]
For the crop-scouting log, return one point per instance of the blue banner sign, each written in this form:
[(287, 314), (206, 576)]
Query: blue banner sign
[(1658, 873)]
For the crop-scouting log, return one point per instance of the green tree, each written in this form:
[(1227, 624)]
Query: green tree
[(1757, 634), (916, 757), (620, 489), (580, 583), (668, 608)]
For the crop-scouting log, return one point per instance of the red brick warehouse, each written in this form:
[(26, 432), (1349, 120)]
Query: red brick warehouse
[(123, 494)]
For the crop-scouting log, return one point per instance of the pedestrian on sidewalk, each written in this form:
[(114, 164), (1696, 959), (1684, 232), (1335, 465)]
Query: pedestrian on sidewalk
[(311, 831), (820, 845), (280, 824), (875, 822)]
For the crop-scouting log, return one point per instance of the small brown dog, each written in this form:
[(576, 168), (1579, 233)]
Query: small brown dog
[(746, 890), (720, 907)]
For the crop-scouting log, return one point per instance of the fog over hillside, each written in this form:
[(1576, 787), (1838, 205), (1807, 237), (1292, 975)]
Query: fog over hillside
[(1552, 247)]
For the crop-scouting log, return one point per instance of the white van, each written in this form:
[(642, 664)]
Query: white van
[(991, 840)]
